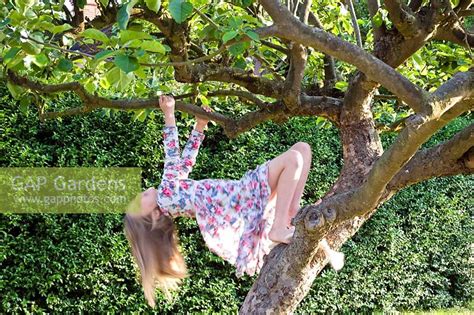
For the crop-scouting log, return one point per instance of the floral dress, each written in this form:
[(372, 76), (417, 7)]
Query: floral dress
[(234, 216)]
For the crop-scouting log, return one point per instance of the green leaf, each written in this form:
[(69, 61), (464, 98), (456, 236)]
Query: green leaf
[(454, 3), (417, 61), (11, 53), (377, 19), (31, 48), (105, 3), (204, 100), (126, 63), (180, 10), (153, 46), (118, 78), (64, 65), (123, 14), (61, 28), (139, 115), (341, 85), (15, 90), (238, 48), (347, 26), (253, 35), (235, 22), (229, 35), (104, 54), (5, 22), (41, 60), (25, 101), (127, 35), (95, 34), (153, 5), (240, 63)]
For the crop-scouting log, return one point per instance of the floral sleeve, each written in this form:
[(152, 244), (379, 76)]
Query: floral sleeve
[(172, 153), (190, 152)]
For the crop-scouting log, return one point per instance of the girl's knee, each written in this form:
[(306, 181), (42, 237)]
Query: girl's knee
[(303, 148), (294, 158)]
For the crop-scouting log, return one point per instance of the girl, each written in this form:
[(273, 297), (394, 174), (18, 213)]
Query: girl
[(240, 220)]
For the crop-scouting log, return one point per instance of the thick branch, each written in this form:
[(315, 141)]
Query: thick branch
[(217, 72), (91, 102), (416, 132), (459, 87), (403, 18), (456, 35), (292, 29), (445, 159), (298, 56), (322, 106), (295, 76), (241, 94)]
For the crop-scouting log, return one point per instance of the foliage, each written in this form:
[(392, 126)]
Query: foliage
[(413, 254)]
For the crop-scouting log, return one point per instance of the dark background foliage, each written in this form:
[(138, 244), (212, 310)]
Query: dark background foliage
[(413, 254)]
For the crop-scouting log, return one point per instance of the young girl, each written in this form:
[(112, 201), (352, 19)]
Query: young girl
[(240, 220)]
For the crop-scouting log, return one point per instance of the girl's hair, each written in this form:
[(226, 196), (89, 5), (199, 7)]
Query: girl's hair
[(155, 250)]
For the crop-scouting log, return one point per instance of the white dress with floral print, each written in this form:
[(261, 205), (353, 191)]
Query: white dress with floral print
[(234, 216)]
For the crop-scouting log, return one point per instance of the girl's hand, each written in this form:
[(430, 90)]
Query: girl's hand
[(201, 123), (167, 104)]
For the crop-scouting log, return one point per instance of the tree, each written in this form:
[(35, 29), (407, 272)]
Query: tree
[(279, 60)]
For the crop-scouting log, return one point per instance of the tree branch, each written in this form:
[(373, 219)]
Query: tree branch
[(459, 87), (217, 72), (445, 159), (355, 25), (455, 35), (288, 27), (416, 132), (373, 7), (241, 94), (403, 18), (322, 106), (330, 75), (295, 76)]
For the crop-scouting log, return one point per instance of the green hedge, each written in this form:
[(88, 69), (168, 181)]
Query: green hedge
[(413, 253)]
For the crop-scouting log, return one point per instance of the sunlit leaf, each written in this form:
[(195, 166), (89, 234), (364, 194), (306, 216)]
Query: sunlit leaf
[(153, 5), (123, 14), (180, 10), (95, 34), (153, 46), (126, 63), (229, 35), (64, 65), (128, 35)]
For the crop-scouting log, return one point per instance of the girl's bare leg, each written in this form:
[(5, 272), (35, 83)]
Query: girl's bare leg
[(287, 176), (305, 151)]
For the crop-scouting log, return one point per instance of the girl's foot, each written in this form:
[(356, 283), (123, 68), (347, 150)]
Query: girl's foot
[(282, 235)]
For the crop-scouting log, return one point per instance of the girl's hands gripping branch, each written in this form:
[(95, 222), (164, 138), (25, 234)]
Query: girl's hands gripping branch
[(167, 106), (201, 123)]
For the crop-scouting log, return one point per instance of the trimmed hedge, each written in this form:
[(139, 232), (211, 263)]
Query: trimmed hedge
[(413, 253)]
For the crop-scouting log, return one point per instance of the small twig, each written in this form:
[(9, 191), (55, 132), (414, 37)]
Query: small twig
[(274, 46), (395, 126), (385, 97), (354, 22), (205, 17), (465, 31)]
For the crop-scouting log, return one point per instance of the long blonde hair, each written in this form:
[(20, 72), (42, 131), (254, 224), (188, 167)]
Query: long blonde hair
[(154, 245)]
